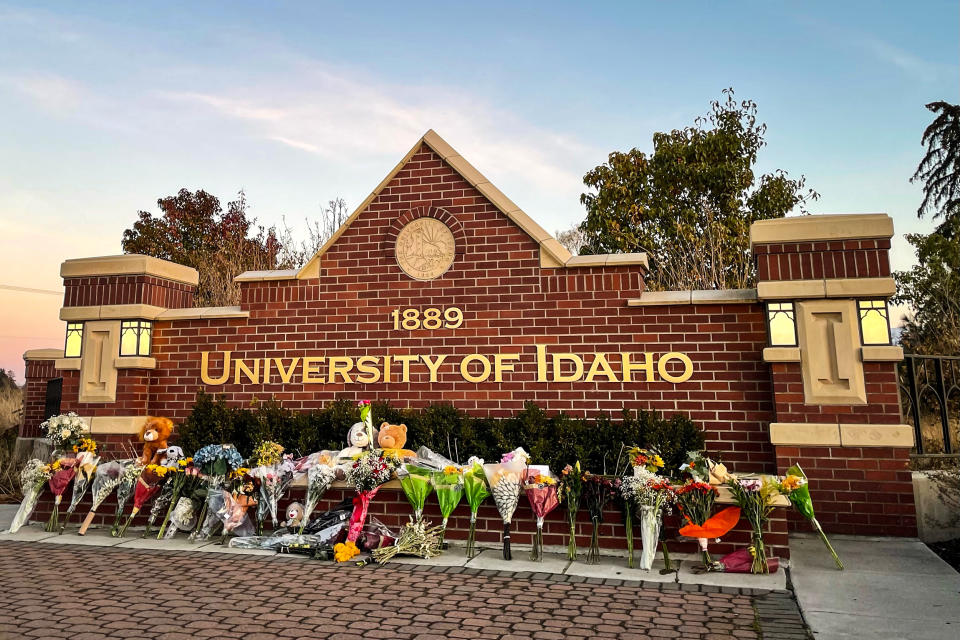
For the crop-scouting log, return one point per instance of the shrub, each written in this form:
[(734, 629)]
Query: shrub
[(553, 439)]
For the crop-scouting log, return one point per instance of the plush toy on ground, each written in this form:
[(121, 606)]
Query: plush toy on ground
[(154, 434), (392, 437), (294, 516)]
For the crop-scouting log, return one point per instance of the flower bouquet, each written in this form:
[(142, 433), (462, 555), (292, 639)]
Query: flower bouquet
[(415, 481), (695, 500), (107, 478), (274, 471), (416, 539), (449, 487), (571, 487), (147, 486), (797, 490), (131, 472), (233, 514), (646, 459), (215, 462), (62, 472), (755, 498), (647, 494), (65, 431), (506, 478), (33, 476), (698, 466), (366, 474), (86, 466), (184, 479), (541, 491), (163, 501), (320, 476), (476, 491), (598, 491)]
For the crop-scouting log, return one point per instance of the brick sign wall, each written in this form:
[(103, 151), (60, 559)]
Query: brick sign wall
[(513, 305)]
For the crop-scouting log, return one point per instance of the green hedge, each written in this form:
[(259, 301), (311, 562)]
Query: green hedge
[(554, 439)]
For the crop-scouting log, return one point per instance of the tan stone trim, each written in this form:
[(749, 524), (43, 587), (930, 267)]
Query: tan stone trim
[(123, 425), (267, 276), (876, 435), (202, 313), (791, 289), (547, 257), (42, 354), (882, 353), (111, 312), (98, 374), (860, 287), (820, 434), (781, 354), (67, 364), (131, 264), (696, 296), (608, 260), (725, 296), (827, 288), (829, 338), (847, 226), (135, 362)]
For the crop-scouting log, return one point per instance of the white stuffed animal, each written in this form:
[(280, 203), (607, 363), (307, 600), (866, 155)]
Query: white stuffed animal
[(358, 439), (171, 455)]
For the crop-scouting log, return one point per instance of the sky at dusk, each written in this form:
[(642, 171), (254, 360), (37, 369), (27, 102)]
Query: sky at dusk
[(106, 107)]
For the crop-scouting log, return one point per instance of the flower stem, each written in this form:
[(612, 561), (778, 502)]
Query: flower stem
[(823, 536)]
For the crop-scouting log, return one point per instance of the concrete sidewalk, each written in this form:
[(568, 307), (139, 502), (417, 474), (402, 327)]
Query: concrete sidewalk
[(891, 588)]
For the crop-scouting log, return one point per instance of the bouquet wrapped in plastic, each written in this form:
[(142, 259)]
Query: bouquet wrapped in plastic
[(755, 498), (695, 500), (571, 488), (131, 472), (505, 479), (541, 490), (146, 487), (182, 518), (449, 487), (62, 472), (216, 462), (233, 514), (415, 481), (162, 503), (797, 489), (646, 494), (366, 474), (87, 461), (274, 477), (107, 478), (184, 480), (476, 490), (33, 476), (321, 473)]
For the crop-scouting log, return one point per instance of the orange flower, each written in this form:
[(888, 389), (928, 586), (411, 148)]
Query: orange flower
[(344, 551)]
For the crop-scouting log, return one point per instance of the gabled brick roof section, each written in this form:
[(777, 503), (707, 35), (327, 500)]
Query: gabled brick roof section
[(552, 253)]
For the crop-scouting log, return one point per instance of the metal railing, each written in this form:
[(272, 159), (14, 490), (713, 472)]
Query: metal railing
[(930, 397)]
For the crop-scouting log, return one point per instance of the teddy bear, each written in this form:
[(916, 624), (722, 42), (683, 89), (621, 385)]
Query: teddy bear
[(358, 440), (154, 434), (392, 437)]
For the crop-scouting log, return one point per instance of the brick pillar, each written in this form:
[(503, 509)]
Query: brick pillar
[(836, 400)]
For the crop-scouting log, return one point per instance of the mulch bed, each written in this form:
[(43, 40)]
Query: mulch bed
[(949, 550)]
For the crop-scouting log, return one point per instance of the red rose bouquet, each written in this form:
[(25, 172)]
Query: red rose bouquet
[(695, 500), (598, 491)]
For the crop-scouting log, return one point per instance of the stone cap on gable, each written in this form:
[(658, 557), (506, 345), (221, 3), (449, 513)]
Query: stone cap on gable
[(843, 226), (129, 264), (552, 253)]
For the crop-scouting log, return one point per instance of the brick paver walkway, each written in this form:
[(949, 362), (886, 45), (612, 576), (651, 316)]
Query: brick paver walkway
[(82, 593)]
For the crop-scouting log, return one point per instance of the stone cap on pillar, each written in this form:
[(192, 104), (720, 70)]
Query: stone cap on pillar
[(821, 228)]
